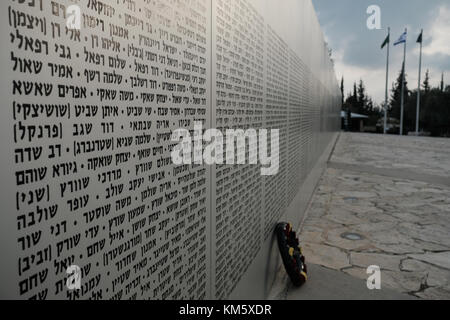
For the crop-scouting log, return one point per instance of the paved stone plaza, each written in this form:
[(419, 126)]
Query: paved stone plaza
[(391, 196)]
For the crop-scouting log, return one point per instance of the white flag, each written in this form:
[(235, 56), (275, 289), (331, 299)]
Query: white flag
[(402, 39)]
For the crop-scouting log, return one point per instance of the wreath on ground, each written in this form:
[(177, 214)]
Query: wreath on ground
[(291, 254)]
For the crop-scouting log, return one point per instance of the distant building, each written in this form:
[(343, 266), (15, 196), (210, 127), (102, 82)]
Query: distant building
[(353, 121)]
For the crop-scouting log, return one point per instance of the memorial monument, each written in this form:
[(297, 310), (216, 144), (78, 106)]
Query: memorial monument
[(91, 93)]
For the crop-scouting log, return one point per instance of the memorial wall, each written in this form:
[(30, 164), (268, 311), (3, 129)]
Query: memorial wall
[(91, 92)]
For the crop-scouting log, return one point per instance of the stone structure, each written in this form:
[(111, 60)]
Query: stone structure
[(91, 92)]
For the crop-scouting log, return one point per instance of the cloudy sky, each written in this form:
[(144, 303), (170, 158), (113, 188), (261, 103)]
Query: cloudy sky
[(356, 49)]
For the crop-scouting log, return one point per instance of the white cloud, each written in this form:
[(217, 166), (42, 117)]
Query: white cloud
[(375, 78), (440, 34)]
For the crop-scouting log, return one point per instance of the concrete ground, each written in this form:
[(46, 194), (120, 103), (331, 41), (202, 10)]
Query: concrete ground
[(391, 196)]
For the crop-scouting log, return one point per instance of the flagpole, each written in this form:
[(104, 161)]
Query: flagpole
[(418, 88), (387, 81), (403, 86)]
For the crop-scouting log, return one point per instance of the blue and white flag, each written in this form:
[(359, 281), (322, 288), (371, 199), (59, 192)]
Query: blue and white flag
[(402, 39)]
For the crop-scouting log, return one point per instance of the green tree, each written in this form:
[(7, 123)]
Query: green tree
[(352, 100), (435, 115), (434, 107), (395, 109), (426, 82), (362, 98), (434, 112), (359, 102)]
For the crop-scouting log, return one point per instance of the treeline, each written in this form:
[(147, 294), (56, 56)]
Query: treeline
[(359, 102), (434, 106)]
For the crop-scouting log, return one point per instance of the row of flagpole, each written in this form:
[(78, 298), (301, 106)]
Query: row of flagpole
[(402, 39)]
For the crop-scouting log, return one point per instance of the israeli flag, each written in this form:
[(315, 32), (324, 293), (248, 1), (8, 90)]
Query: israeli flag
[(402, 39)]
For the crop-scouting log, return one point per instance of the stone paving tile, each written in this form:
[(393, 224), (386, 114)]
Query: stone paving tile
[(404, 224), (326, 256), (422, 154), (440, 259)]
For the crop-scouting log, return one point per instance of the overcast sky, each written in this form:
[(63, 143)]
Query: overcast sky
[(356, 49)]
